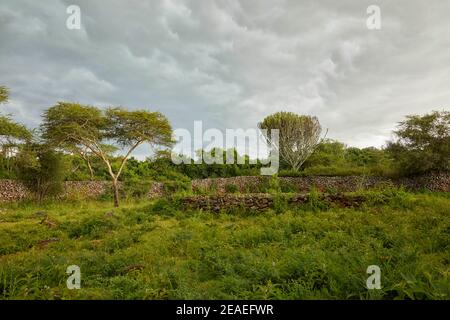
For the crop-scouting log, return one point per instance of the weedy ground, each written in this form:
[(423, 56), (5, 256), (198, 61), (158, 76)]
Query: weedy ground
[(156, 250)]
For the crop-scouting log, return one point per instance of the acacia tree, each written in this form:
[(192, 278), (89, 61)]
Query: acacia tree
[(76, 127), (11, 133), (87, 156), (298, 136)]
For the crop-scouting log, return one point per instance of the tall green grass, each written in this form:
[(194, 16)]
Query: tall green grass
[(155, 250)]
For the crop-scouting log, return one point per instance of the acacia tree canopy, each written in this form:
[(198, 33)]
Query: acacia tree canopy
[(76, 127), (299, 135), (10, 131)]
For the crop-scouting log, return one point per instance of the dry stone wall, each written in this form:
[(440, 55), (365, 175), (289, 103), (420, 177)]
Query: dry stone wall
[(12, 190), (433, 182)]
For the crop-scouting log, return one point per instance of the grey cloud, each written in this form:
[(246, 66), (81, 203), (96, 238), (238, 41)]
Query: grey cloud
[(230, 63)]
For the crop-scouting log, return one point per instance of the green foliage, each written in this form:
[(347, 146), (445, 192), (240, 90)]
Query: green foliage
[(328, 153), (69, 124), (92, 227), (274, 185), (10, 131), (333, 158), (280, 203), (155, 251), (177, 186), (203, 170), (287, 187), (164, 207), (291, 173), (128, 127), (422, 144), (315, 203), (394, 197), (136, 188), (298, 136), (78, 128), (231, 188), (42, 170), (92, 135), (12, 135)]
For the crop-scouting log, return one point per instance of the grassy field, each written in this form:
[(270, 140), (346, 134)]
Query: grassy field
[(148, 250)]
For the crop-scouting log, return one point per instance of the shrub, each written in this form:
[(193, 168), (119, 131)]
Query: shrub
[(287, 187), (315, 203), (274, 185), (42, 170), (165, 207), (92, 227), (422, 143), (174, 186), (393, 197), (290, 173), (136, 188), (280, 203), (231, 188)]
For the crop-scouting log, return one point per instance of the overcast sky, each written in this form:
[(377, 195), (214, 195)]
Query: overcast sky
[(231, 63)]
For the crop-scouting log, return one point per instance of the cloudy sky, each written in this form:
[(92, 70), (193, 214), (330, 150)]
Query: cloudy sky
[(231, 63)]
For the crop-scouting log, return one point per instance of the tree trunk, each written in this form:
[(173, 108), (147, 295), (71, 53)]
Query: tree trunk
[(91, 171), (116, 193)]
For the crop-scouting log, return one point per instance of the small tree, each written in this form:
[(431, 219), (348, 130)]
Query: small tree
[(422, 143), (76, 127), (42, 169), (298, 136)]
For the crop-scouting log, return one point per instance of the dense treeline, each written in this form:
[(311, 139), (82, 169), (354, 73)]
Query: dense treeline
[(78, 142), (329, 158)]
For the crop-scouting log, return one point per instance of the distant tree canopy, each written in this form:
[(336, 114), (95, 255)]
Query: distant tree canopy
[(298, 136), (332, 157), (4, 94), (74, 127), (79, 142), (422, 143)]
